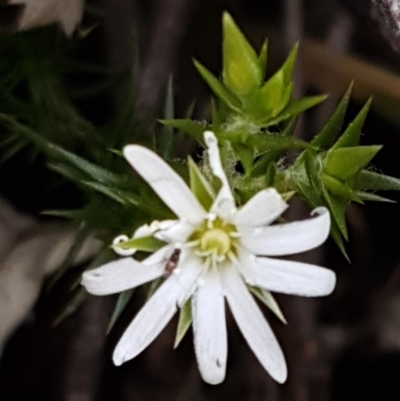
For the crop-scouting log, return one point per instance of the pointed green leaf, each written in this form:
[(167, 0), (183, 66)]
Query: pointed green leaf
[(105, 190), (326, 137), (262, 142), (298, 106), (272, 171), (193, 128), (215, 117), (166, 137), (97, 172), (351, 136), (219, 89), (199, 185), (368, 196), (185, 320), (67, 214), (241, 71), (72, 306), (288, 65), (269, 301), (339, 189), (263, 58), (344, 163), (267, 102), (335, 234), (145, 244), (120, 305), (374, 181), (337, 207)]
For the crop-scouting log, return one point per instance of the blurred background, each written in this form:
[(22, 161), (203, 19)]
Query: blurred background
[(344, 347)]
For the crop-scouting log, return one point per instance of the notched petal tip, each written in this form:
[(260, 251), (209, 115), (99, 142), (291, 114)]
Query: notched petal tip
[(329, 284), (210, 138), (280, 375), (118, 358), (214, 378)]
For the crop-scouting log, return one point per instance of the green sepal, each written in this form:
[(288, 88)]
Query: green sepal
[(328, 134), (339, 189), (241, 71), (245, 155), (374, 181), (269, 301), (199, 185), (351, 135), (368, 196), (195, 129), (219, 89), (185, 320), (271, 174), (119, 307), (263, 58), (145, 244), (344, 163)]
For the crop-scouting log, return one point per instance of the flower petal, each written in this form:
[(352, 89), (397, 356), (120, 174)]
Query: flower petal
[(177, 232), (288, 238), (156, 313), (123, 274), (287, 277), (209, 329), (168, 185), (224, 203), (262, 209), (253, 326)]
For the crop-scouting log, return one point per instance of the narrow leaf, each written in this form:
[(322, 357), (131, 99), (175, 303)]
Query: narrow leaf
[(351, 136), (326, 137), (219, 89), (194, 129), (263, 58), (374, 181), (368, 196)]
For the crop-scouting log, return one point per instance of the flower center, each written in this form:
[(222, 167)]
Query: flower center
[(215, 241)]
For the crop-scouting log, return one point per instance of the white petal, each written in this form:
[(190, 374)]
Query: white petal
[(288, 238), (168, 185), (126, 273), (224, 203), (209, 329), (156, 313), (253, 326), (262, 209), (287, 277), (177, 232)]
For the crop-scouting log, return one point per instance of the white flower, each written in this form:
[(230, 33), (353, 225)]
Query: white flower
[(222, 250)]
